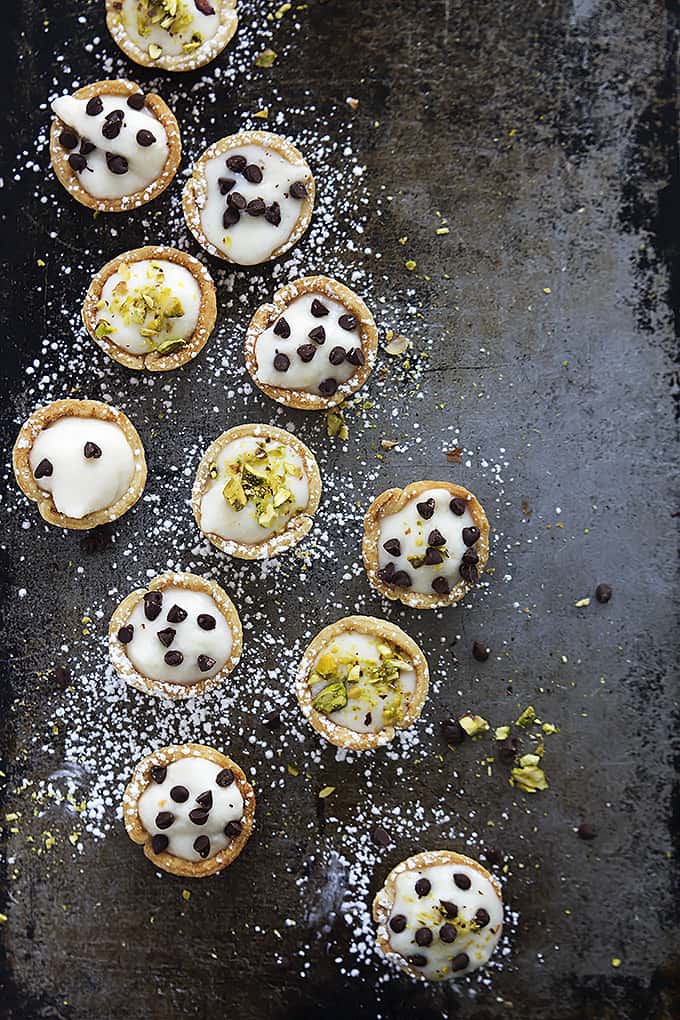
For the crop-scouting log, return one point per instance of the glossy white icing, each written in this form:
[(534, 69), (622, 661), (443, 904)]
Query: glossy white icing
[(188, 27), (81, 485), (196, 776)]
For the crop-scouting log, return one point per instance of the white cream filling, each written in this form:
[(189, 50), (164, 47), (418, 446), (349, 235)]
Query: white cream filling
[(148, 653), (413, 532), (253, 238), (472, 941), (367, 707), (218, 517), (137, 277), (171, 41), (145, 163), (301, 375), (197, 776), (81, 485)]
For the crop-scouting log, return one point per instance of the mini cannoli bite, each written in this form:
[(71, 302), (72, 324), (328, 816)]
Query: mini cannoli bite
[(175, 35)]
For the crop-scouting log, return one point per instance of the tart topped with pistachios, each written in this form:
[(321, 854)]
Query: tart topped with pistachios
[(175, 35), (113, 147), (313, 346), (425, 545), (256, 491), (152, 308), (249, 198), (361, 680)]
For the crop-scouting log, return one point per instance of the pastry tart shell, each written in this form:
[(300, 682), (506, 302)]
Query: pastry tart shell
[(225, 10)]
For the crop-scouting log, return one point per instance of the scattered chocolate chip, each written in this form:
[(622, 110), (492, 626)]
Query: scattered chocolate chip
[(115, 115), (507, 750), (68, 140), (306, 352), (126, 634), (224, 778), (460, 962), (318, 335), (398, 923), (176, 614), (585, 831), (173, 658), (273, 214), (205, 663), (380, 836), (401, 579), (86, 147), (230, 217), (337, 356), (281, 362), (111, 130), (237, 164), (470, 556), (347, 322), (392, 546), (480, 651), (386, 573), (441, 586), (298, 190), (482, 917), (356, 356), (453, 732), (418, 960), (494, 856), (282, 328), (253, 174), (423, 886), (272, 720), (423, 937), (202, 846), (94, 106), (44, 469), (205, 621), (469, 572), (433, 557), (603, 593), (97, 539), (77, 162), (136, 101), (447, 933), (436, 538), (462, 880), (145, 138), (179, 794), (256, 207), (92, 451), (457, 506), (426, 508), (470, 535), (199, 816), (153, 600), (164, 819), (204, 7), (327, 387), (158, 773), (225, 184), (449, 909), (318, 309), (167, 636), (233, 829), (205, 800), (117, 164), (61, 677), (159, 843)]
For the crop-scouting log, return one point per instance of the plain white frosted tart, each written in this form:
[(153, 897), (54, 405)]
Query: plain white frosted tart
[(191, 808), (439, 915), (360, 680), (249, 198), (177, 638), (175, 35), (256, 491), (112, 147), (81, 461), (425, 545)]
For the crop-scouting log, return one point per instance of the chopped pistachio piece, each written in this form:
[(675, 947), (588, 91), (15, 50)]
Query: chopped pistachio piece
[(331, 698), (335, 424), (170, 345), (265, 59), (326, 792), (527, 716), (326, 664), (474, 725), (529, 778), (502, 732)]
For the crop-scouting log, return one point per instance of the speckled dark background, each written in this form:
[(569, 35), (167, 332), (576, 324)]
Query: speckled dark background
[(547, 133)]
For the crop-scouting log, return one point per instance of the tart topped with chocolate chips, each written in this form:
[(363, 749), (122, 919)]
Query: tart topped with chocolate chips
[(175, 35), (81, 461), (425, 545), (361, 680), (256, 490), (191, 808), (178, 638), (151, 308), (313, 346), (249, 198), (112, 147), (439, 915)]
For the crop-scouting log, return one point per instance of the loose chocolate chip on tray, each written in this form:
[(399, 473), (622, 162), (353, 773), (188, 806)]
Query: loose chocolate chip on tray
[(77, 162), (159, 843), (306, 352), (233, 829), (153, 600), (603, 593), (92, 451), (494, 856), (179, 794), (447, 933), (167, 636), (145, 138), (68, 140), (507, 750), (273, 214), (318, 335), (298, 190), (585, 831), (452, 731), (318, 309), (205, 621), (281, 362), (380, 836), (256, 207), (470, 535), (136, 101), (426, 508), (423, 937), (173, 658), (440, 586), (237, 164), (205, 800), (94, 106), (460, 962), (225, 184), (392, 546), (205, 663), (202, 846), (224, 778), (272, 720), (327, 387), (423, 886), (116, 164), (337, 356), (356, 357), (176, 614), (398, 923), (164, 819), (126, 634), (199, 816), (237, 201), (61, 677), (348, 322), (230, 217), (44, 469), (480, 651), (282, 328), (457, 506)]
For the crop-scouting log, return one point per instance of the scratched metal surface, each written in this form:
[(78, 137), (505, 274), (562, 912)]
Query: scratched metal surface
[(547, 134)]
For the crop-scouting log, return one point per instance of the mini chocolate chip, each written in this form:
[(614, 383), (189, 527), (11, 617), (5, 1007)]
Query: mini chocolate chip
[(136, 101), (237, 200), (115, 115), (482, 917), (317, 309), (167, 636), (68, 140), (281, 362), (585, 831), (176, 614), (179, 794), (392, 546), (356, 356), (423, 937), (230, 217), (153, 600), (199, 816), (327, 387), (173, 658), (92, 451), (298, 190), (507, 750), (386, 573), (441, 586), (159, 843), (423, 886), (306, 352), (436, 538), (204, 7), (94, 106), (225, 184), (470, 556), (158, 773), (233, 829), (256, 207), (126, 634), (462, 880), (205, 621), (469, 572), (61, 677), (447, 933), (145, 138), (418, 960), (452, 732), (480, 651), (460, 962), (426, 508), (86, 147), (272, 720), (237, 164), (282, 328), (44, 469), (77, 162), (603, 593), (111, 129), (347, 322), (449, 909), (205, 800), (224, 778), (205, 663), (398, 923), (253, 174), (457, 506), (318, 335), (164, 819), (494, 856), (273, 214), (401, 579), (433, 557), (337, 356), (202, 846), (470, 535), (117, 164)]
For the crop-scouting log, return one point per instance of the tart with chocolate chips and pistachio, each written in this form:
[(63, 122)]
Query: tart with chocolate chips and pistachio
[(425, 545), (313, 346), (112, 147), (175, 35), (177, 638), (439, 915), (191, 808), (249, 198), (151, 308), (81, 461), (256, 491), (361, 680)]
